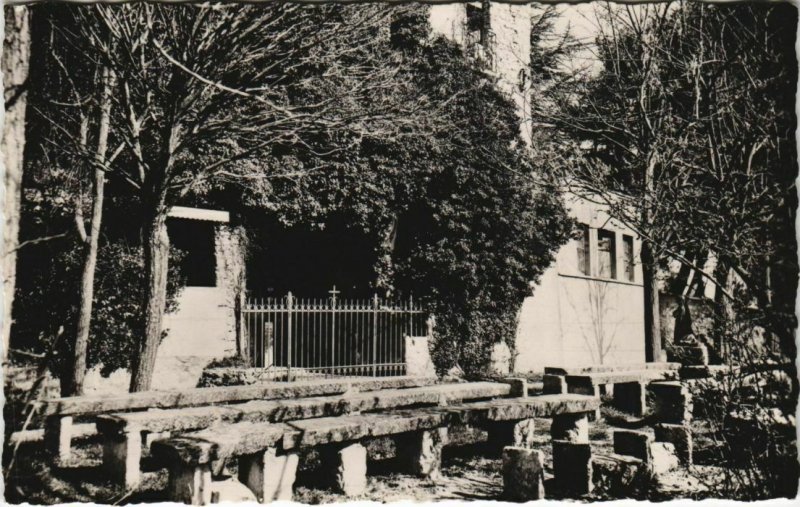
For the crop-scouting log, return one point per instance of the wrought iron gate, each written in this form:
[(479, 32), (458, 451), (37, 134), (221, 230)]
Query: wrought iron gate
[(294, 338)]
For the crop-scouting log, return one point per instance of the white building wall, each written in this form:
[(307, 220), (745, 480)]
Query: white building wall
[(573, 319)]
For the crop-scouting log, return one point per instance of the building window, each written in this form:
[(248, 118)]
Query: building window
[(627, 247), (584, 263), (606, 254), (477, 24)]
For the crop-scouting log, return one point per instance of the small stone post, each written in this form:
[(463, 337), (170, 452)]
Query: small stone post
[(523, 474), (672, 402), (190, 484), (58, 438), (268, 475), (122, 453), (421, 452), (572, 467)]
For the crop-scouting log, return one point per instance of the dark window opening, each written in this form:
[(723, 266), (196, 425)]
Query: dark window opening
[(477, 24), (606, 254), (195, 240), (627, 243), (584, 264)]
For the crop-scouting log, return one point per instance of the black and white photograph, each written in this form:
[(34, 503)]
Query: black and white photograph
[(329, 252)]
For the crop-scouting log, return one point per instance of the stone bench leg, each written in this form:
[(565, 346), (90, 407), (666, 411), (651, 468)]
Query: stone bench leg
[(121, 456), (570, 427), (631, 397), (588, 389), (190, 484), (572, 467), (421, 452), (510, 433), (345, 468), (523, 474), (268, 475), (58, 438)]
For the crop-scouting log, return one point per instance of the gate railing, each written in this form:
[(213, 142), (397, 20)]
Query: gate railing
[(295, 338)]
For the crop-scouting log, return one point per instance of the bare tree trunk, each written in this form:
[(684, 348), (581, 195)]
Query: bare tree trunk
[(16, 59), (652, 316), (156, 265), (90, 260)]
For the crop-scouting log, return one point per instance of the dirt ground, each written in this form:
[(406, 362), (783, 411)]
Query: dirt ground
[(469, 472)]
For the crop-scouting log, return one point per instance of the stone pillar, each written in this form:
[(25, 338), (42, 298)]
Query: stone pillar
[(421, 452), (572, 467), (631, 397), (510, 433), (678, 435), (190, 484), (570, 427), (58, 438), (122, 453), (554, 384), (268, 475), (672, 402), (523, 474)]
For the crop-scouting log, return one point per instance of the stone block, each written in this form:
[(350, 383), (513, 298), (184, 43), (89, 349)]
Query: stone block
[(678, 435), (664, 457), (350, 474), (570, 427), (633, 443), (122, 454), (572, 467), (151, 437), (523, 474), (230, 490), (420, 452), (268, 475), (621, 476), (672, 402), (519, 387), (554, 384), (631, 397), (58, 438)]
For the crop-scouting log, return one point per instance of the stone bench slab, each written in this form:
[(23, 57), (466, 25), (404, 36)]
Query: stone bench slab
[(245, 438), (186, 419), (90, 405), (619, 377), (601, 368)]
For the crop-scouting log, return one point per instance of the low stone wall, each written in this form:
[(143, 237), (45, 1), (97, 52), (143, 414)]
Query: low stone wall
[(231, 376)]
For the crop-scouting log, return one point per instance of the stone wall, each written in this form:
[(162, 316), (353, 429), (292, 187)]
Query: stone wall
[(204, 326)]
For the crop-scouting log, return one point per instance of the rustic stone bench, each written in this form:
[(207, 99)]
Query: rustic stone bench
[(268, 452), (629, 386), (554, 380), (59, 412), (122, 432)]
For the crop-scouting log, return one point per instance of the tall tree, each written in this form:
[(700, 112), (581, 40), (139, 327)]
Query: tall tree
[(202, 96), (16, 61), (690, 116)]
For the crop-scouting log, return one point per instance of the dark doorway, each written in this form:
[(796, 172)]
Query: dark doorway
[(195, 240)]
